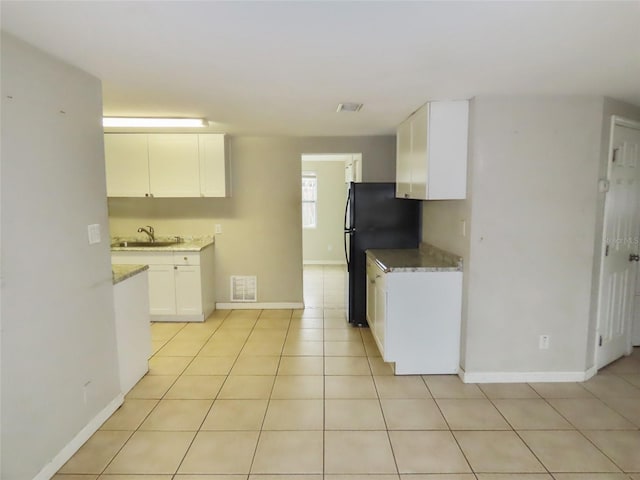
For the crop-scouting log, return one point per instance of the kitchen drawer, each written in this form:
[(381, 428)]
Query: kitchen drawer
[(186, 258), (143, 258)]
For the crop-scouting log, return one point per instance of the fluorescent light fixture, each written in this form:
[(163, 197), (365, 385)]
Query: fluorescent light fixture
[(349, 107), (153, 122)]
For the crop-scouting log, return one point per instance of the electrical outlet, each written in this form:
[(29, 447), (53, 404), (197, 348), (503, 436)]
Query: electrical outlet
[(218, 229), (93, 231), (543, 342)]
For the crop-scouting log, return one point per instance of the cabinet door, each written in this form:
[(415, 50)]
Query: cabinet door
[(403, 160), (174, 165), (419, 160), (162, 290), (126, 164), (381, 313), (188, 290), (213, 166)]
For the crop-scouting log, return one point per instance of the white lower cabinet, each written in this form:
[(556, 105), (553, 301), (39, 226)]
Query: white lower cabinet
[(415, 319), (180, 283)]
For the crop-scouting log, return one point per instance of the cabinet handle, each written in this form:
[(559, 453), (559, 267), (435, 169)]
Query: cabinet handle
[(406, 195), (185, 259), (146, 194), (175, 267)]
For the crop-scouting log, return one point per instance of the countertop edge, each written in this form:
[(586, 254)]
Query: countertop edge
[(121, 272)]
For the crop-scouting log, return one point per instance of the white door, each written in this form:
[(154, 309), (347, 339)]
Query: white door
[(188, 290), (621, 230), (174, 165), (162, 290)]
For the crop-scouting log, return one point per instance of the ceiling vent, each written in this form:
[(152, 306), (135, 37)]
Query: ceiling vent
[(349, 107), (244, 288)]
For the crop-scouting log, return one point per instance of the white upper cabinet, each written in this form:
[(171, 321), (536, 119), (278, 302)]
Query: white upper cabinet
[(166, 165), (127, 165), (214, 166), (174, 165), (431, 155)]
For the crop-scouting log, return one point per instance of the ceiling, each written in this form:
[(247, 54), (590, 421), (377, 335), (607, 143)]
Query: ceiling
[(281, 68)]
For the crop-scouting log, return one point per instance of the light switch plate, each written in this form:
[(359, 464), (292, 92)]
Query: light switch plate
[(218, 229), (94, 233)]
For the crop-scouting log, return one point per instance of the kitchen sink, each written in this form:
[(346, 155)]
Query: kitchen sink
[(144, 244)]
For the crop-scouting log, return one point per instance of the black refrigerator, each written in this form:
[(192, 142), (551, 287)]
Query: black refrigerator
[(374, 218)]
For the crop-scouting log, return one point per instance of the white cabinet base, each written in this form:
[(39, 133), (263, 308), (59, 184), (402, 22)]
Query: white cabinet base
[(133, 329)]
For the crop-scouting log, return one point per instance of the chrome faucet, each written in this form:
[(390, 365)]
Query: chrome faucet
[(148, 231)]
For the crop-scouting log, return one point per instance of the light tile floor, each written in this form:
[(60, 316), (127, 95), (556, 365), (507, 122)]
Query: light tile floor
[(299, 395)]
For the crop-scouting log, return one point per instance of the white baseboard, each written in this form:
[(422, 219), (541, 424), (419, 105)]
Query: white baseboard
[(259, 306), (176, 318), (525, 377), (50, 469), (324, 262)]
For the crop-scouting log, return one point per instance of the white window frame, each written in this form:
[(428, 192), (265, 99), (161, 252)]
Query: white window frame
[(311, 203)]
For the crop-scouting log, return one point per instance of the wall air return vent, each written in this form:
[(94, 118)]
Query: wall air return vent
[(244, 288)]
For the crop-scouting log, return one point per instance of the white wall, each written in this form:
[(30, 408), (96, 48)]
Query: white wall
[(324, 244), (535, 168), (262, 221), (57, 296)]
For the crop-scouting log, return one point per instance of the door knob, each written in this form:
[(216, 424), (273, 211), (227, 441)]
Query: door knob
[(634, 258)]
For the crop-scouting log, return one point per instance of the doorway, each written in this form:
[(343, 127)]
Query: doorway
[(618, 325)]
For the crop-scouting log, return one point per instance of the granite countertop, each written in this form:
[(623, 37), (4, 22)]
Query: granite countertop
[(427, 258), (188, 244), (122, 272)]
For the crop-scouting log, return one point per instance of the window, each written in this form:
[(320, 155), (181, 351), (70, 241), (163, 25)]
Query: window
[(309, 200)]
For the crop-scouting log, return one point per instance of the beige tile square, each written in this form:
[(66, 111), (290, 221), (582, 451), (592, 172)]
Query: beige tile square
[(567, 451), (628, 407), (256, 365), (276, 323), (611, 386), (276, 313), (590, 414), (303, 348), (623, 365), (96, 453), (427, 452), (358, 453), (151, 452), (344, 349), (243, 314), (247, 387), (177, 415), (412, 414), (508, 390), (130, 415), (621, 447), (342, 335), (210, 366), (236, 415), (217, 347), (358, 414), (268, 335), (442, 476), (364, 477), (305, 335), (514, 476), (298, 386), (152, 386), (346, 366), (291, 414), (306, 322), (633, 379), (62, 476), (220, 453), (168, 365), (302, 313), (379, 367), (156, 345), (335, 318), (593, 476), (497, 452), (192, 387), (401, 387), (371, 349), (471, 414), (181, 348), (531, 414), (288, 453), (301, 366), (350, 386), (165, 331), (136, 477), (561, 390), (259, 348), (450, 386), (231, 335)]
